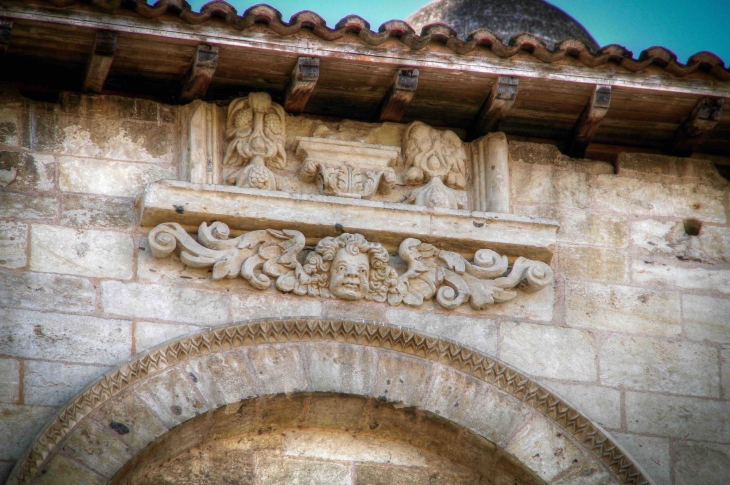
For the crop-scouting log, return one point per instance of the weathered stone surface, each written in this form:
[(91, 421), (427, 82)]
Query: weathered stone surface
[(108, 177), (5, 469), (701, 463), (401, 379), (213, 465), (92, 253), (669, 239), (542, 447), (8, 127), (97, 447), (534, 184), (32, 171), (532, 306), (39, 291), (62, 471), (54, 383), (593, 263), (480, 334), (706, 318), (662, 168), (25, 206), (149, 334), (13, 244), (649, 364), (582, 227), (280, 471), (19, 426), (173, 396), (223, 378), (262, 305), (10, 382), (623, 309), (678, 417), (108, 213), (639, 197), (725, 356), (339, 368), (452, 394), (165, 303), (132, 421), (547, 351), (55, 336), (653, 273), (600, 404), (495, 415), (279, 368), (651, 453), (389, 475), (704, 279), (588, 473)]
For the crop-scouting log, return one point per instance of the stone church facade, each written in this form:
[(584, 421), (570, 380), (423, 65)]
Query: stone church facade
[(296, 273)]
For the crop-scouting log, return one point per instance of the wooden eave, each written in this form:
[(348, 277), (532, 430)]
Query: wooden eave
[(49, 49)]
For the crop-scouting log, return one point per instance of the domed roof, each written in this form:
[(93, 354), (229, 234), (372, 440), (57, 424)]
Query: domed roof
[(503, 17)]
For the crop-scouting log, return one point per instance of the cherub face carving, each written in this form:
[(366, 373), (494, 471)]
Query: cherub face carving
[(432, 153), (350, 275)]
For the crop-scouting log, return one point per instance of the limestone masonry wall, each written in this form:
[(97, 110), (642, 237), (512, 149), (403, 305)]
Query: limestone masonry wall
[(635, 331)]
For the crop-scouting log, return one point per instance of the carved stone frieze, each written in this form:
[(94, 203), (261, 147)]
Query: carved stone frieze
[(255, 131), (347, 169), (350, 267)]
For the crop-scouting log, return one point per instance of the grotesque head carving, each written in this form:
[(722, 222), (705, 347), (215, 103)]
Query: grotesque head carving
[(351, 268), (255, 129), (432, 153)]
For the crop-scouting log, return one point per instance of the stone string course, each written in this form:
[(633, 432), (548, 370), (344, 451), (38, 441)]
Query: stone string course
[(634, 332)]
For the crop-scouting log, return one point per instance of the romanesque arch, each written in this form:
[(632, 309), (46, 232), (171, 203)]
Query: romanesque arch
[(492, 413)]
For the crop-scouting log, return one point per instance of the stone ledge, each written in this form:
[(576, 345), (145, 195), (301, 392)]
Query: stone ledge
[(318, 216)]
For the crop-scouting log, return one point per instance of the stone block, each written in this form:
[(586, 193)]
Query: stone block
[(368, 474), (63, 471), (701, 463), (582, 227), (704, 279), (337, 411), (279, 368), (111, 178), (25, 206), (452, 394), (98, 254), (639, 197), (5, 468), (265, 304), (9, 127), (678, 417), (476, 333), (223, 378), (536, 153), (150, 334), (653, 273), (401, 378), (10, 382), (173, 396), (54, 383), (495, 416), (544, 449), (543, 185), (547, 351), (39, 291), (272, 470), (28, 171), (594, 263), (725, 371), (652, 454), (590, 472), (97, 447), (349, 310), (669, 239), (663, 168), (706, 318), (622, 309), (600, 404), (340, 368), (20, 424), (13, 244), (185, 305), (56, 336), (132, 421), (648, 364), (101, 212)]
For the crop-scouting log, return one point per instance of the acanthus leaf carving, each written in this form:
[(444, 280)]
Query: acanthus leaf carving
[(350, 267)]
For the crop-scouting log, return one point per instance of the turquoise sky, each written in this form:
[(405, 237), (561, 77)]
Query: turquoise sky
[(683, 26)]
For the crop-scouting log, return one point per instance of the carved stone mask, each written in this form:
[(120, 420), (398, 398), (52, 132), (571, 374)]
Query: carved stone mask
[(350, 274), (255, 129), (430, 153)]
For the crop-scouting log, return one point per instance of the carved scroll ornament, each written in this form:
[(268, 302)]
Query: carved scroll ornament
[(351, 268)]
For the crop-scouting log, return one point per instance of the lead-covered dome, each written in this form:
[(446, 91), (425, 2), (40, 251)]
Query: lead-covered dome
[(503, 17)]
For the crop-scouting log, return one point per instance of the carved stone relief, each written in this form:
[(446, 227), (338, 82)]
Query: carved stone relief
[(351, 268)]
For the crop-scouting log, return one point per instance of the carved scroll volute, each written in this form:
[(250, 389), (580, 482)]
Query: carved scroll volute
[(256, 134)]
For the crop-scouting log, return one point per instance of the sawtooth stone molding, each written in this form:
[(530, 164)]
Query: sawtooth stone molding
[(350, 267), (44, 460), (317, 216)]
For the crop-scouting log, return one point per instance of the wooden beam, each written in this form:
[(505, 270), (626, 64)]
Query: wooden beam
[(399, 95), (303, 79), (6, 26), (689, 135), (100, 61), (500, 100), (197, 79), (588, 122)]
